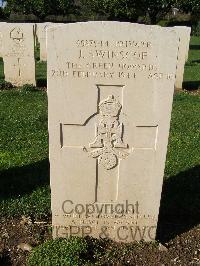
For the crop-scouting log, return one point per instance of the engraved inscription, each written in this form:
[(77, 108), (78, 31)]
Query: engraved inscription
[(116, 59), (108, 144), (17, 47), (17, 35), (107, 54)]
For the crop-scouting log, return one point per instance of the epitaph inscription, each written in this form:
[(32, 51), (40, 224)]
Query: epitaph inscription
[(111, 60)]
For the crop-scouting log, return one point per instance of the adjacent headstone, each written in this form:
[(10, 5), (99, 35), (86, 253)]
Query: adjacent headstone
[(184, 42), (187, 43), (41, 34), (18, 53), (110, 91), (35, 34), (1, 37)]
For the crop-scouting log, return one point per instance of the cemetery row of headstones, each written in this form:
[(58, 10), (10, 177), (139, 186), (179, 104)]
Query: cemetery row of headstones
[(110, 92), (17, 46)]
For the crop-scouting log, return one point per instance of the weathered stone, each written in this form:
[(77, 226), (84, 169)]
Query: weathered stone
[(18, 53), (1, 37), (184, 42), (110, 91)]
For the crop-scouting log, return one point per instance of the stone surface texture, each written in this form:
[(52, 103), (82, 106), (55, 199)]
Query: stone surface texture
[(41, 35), (184, 43), (18, 53), (110, 93)]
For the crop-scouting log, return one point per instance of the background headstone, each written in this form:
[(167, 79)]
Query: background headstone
[(18, 53), (110, 92), (41, 35), (1, 37), (184, 43)]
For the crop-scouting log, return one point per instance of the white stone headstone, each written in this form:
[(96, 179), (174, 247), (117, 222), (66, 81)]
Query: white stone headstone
[(184, 43), (110, 92), (41, 34), (18, 53), (1, 37)]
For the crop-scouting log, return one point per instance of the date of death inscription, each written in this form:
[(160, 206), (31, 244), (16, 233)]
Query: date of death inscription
[(110, 60)]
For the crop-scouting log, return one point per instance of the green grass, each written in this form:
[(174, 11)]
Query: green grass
[(192, 67), (184, 144), (23, 128), (24, 175)]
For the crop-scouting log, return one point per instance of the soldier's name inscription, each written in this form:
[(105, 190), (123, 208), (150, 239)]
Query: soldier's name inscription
[(111, 59)]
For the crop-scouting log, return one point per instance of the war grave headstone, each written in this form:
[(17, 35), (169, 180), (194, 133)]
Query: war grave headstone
[(110, 93), (41, 35), (18, 53), (1, 37), (184, 42)]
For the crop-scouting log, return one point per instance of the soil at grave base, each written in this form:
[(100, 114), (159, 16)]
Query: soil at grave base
[(183, 250), (195, 92)]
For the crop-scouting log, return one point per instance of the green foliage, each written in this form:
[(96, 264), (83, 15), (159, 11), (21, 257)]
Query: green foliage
[(113, 9), (192, 6), (62, 7), (60, 252), (156, 9), (128, 10), (40, 8), (196, 28), (123, 10), (86, 251), (2, 13)]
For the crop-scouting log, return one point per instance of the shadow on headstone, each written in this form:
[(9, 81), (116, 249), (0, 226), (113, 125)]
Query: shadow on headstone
[(180, 204), (22, 180)]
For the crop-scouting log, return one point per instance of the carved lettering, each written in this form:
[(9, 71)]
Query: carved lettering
[(107, 54)]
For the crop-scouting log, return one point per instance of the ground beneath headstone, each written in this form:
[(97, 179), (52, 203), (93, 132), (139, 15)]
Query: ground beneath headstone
[(18, 235)]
